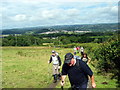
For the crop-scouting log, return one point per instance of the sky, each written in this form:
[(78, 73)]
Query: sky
[(33, 13)]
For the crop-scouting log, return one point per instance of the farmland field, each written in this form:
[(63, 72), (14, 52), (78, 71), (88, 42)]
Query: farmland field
[(27, 67)]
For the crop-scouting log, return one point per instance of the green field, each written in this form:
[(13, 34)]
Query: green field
[(27, 67)]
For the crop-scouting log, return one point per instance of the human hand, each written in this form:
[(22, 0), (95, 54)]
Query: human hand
[(62, 83), (48, 62), (93, 85), (58, 67)]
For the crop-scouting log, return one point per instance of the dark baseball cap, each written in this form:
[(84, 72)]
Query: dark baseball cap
[(68, 57), (75, 53)]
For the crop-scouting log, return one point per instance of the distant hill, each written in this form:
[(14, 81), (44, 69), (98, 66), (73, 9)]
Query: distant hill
[(43, 29)]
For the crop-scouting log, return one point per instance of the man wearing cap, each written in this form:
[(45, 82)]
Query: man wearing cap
[(55, 59), (77, 71)]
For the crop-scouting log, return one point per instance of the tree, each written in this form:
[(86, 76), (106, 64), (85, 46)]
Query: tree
[(64, 40)]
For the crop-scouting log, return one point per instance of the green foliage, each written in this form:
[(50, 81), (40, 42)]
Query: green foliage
[(108, 56), (22, 40), (56, 38)]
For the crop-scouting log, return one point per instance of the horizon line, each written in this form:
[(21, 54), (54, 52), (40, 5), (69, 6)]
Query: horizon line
[(55, 25)]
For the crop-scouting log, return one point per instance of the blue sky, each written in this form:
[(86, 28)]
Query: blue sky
[(32, 13)]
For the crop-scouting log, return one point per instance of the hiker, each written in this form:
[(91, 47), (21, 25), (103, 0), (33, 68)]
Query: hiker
[(82, 50), (75, 56), (59, 74), (78, 48), (77, 71), (75, 49), (55, 59), (85, 58)]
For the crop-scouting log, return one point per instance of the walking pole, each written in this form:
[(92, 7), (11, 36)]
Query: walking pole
[(62, 87)]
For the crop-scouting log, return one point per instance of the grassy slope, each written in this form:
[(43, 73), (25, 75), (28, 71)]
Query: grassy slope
[(22, 68), (99, 79), (102, 78), (27, 68)]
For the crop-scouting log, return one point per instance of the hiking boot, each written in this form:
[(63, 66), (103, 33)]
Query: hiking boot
[(55, 78), (59, 76), (54, 81)]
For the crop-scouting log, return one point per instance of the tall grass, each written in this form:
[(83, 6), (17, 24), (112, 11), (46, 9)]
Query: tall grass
[(27, 67)]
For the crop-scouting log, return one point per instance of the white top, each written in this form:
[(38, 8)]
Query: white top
[(55, 60), (82, 49), (74, 49), (57, 54), (85, 60)]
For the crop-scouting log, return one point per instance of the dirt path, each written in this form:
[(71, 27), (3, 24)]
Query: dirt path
[(89, 84), (53, 85)]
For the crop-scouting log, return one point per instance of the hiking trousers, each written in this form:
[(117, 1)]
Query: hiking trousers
[(55, 69), (79, 87)]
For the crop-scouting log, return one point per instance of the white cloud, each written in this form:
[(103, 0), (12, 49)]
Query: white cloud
[(55, 14), (19, 17), (47, 14), (114, 9), (3, 8), (35, 13), (72, 12)]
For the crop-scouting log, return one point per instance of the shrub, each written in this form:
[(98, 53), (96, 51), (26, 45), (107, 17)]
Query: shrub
[(108, 56)]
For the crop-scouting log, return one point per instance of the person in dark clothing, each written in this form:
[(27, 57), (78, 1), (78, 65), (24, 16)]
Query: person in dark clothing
[(55, 59), (85, 58), (77, 71)]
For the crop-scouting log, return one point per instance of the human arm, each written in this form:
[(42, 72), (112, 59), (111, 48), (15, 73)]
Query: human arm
[(89, 72), (50, 60), (64, 74), (59, 59), (88, 60), (63, 80), (93, 82)]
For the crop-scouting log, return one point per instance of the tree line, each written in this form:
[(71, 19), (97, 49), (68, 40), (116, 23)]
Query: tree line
[(55, 39)]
